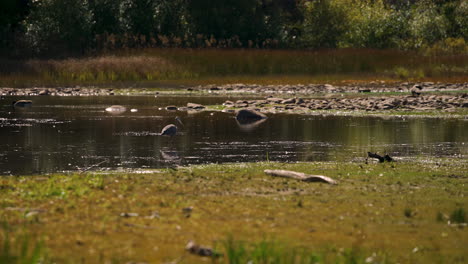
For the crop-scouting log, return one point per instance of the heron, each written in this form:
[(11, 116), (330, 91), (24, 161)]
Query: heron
[(22, 103), (416, 90), (171, 129)]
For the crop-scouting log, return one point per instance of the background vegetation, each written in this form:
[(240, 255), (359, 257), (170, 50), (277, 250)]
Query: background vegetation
[(77, 27), (122, 42), (155, 66)]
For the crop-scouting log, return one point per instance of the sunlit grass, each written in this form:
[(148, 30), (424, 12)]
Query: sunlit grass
[(22, 249), (244, 214), (203, 66)]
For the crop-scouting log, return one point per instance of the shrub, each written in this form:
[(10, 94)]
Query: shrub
[(460, 17), (372, 25), (458, 216), (402, 73), (427, 25), (325, 23), (59, 25)]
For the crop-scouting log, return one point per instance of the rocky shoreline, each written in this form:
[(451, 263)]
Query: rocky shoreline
[(396, 102), (65, 91), (305, 89), (311, 89), (367, 97)]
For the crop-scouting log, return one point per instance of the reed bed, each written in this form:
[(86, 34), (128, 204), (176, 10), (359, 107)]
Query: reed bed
[(224, 65)]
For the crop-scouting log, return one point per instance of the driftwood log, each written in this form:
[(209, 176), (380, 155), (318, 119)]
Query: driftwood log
[(300, 176)]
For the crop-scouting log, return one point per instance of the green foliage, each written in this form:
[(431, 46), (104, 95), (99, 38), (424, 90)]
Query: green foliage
[(324, 24), (76, 27), (408, 212), (21, 249), (263, 252), (12, 12), (372, 25), (105, 15), (427, 24), (460, 15), (138, 17), (458, 216), (63, 25)]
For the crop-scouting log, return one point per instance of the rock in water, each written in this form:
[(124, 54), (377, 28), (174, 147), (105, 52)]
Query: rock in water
[(171, 107), (22, 103), (195, 106), (249, 114)]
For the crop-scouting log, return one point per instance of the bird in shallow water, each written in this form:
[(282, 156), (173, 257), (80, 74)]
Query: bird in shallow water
[(171, 129), (22, 103), (416, 90)]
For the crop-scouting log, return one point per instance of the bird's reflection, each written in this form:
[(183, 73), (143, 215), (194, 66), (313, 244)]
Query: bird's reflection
[(248, 125), (171, 157)]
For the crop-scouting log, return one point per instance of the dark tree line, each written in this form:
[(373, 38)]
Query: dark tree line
[(74, 27)]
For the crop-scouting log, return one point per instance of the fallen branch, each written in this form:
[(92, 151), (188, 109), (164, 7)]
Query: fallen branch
[(92, 166), (300, 176)]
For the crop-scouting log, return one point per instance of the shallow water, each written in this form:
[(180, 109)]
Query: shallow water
[(72, 133)]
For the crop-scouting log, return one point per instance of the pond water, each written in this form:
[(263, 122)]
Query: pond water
[(70, 133)]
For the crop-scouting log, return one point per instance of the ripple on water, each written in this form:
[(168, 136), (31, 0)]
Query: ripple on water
[(136, 134), (27, 122)]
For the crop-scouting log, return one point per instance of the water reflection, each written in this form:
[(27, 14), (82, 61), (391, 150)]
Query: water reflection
[(70, 133), (249, 125)]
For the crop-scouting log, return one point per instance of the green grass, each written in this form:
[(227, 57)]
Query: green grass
[(458, 216), (245, 214), (268, 251), (153, 67), (21, 249)]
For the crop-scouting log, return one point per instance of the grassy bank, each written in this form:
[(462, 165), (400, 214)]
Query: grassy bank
[(152, 67), (378, 213)]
